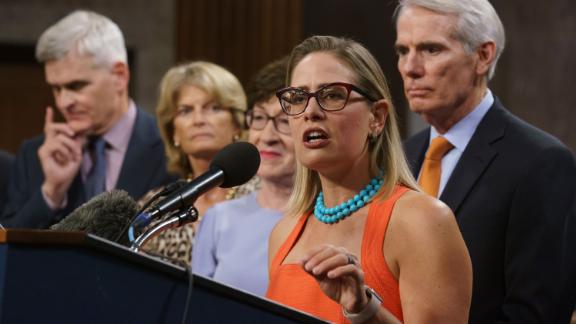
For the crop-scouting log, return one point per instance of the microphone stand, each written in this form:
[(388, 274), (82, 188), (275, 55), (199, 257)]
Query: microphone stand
[(181, 218)]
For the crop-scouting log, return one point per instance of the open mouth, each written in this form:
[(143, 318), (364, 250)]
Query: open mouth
[(315, 136)]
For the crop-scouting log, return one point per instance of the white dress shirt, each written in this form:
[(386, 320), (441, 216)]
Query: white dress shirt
[(459, 136)]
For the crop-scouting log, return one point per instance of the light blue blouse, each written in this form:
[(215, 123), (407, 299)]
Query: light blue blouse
[(231, 245)]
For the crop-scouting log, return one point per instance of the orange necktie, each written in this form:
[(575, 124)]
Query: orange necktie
[(432, 167)]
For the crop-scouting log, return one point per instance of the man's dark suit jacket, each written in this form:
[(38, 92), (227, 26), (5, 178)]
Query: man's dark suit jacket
[(143, 168), (6, 161), (513, 193)]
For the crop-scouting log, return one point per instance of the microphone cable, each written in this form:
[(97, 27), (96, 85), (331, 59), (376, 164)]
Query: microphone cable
[(170, 188), (190, 290)]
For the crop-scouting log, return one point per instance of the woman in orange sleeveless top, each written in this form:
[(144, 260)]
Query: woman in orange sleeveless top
[(359, 243)]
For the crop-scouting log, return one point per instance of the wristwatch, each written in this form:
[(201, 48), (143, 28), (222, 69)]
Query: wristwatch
[(374, 302)]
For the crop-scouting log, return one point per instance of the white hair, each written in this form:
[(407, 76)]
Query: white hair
[(478, 22), (86, 32)]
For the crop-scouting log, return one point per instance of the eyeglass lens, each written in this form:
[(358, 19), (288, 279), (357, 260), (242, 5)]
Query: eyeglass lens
[(258, 120), (330, 97)]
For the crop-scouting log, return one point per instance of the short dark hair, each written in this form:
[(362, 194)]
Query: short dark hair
[(267, 81)]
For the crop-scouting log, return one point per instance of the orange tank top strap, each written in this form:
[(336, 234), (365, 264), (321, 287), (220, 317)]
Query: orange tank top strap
[(286, 247), (377, 274), (292, 286)]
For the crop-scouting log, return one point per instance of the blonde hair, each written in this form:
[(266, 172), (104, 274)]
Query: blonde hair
[(385, 151), (218, 82)]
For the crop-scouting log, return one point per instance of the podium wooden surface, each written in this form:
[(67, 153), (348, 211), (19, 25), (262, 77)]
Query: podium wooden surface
[(73, 277)]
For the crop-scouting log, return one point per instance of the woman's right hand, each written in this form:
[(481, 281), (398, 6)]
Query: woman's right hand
[(339, 275)]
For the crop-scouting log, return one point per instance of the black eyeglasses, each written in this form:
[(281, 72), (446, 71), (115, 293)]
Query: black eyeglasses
[(331, 97), (257, 120)]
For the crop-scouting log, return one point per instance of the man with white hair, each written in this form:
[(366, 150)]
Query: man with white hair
[(511, 186), (105, 142)]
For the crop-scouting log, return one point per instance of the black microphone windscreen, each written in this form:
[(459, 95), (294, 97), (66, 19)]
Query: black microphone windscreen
[(104, 215), (239, 161)]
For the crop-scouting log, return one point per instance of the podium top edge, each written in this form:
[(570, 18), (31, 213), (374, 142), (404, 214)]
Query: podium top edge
[(34, 236)]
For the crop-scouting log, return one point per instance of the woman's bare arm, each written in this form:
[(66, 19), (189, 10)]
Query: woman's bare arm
[(431, 260)]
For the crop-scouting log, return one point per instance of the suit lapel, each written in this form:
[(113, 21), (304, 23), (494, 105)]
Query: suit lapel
[(415, 148), (133, 175), (477, 156)]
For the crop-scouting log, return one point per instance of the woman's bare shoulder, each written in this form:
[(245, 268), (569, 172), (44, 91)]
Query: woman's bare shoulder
[(416, 208), (285, 225), (427, 249), (421, 220), (280, 233)]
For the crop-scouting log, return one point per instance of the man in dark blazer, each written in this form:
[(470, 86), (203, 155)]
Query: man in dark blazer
[(511, 186), (85, 64), (6, 162)]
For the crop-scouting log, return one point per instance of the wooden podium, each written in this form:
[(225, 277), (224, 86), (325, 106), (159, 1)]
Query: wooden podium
[(73, 277)]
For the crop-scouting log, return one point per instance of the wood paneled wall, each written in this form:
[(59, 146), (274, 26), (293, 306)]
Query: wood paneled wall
[(536, 75), (24, 95), (534, 79), (240, 35), (243, 35), (368, 22)]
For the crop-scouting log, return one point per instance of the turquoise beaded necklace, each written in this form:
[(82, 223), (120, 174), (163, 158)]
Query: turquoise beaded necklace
[(335, 214)]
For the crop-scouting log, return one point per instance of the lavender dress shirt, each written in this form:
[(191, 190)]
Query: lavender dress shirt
[(231, 244)]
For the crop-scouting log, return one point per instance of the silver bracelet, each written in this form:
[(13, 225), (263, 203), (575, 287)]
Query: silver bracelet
[(374, 302)]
